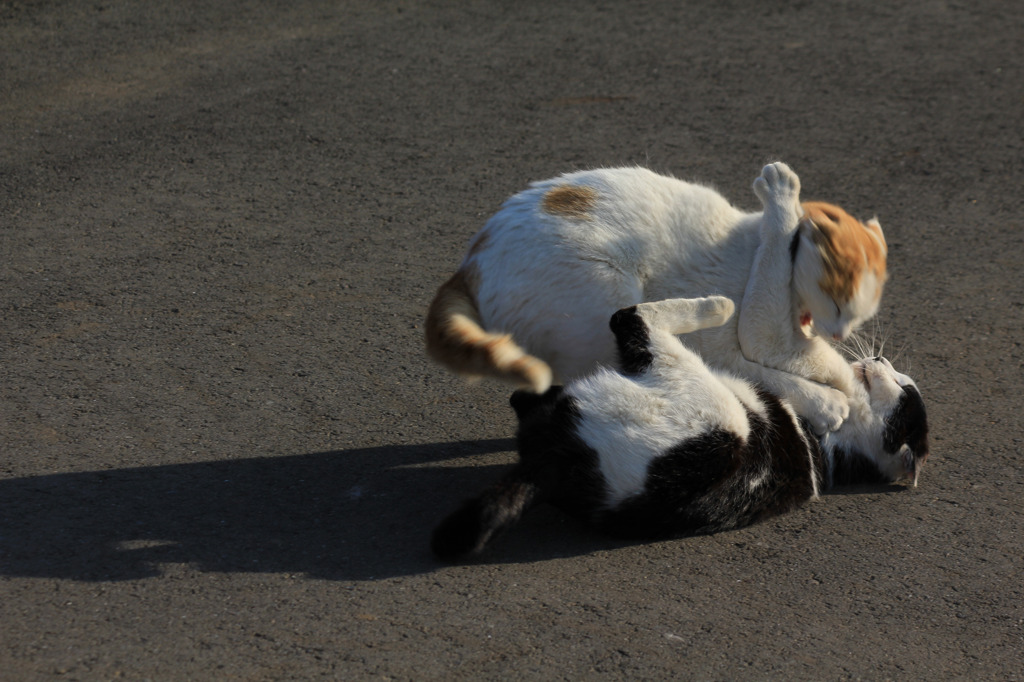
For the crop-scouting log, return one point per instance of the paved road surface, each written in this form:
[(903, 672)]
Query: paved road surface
[(223, 448)]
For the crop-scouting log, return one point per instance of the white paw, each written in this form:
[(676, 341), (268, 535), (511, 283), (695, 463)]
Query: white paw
[(717, 309), (778, 187), (825, 409)]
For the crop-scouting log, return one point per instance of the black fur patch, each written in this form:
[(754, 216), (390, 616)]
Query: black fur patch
[(525, 402), (461, 532), (479, 520), (534, 478), (794, 246), (549, 446), (850, 467), (670, 503), (717, 482), (779, 442), (908, 425), (632, 341)]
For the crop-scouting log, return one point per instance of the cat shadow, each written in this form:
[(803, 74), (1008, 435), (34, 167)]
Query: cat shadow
[(867, 489), (359, 514)]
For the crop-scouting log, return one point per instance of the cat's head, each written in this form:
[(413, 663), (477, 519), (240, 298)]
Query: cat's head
[(839, 269), (892, 443)]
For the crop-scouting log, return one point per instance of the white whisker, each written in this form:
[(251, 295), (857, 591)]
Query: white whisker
[(877, 346), (899, 355), (885, 340), (863, 346), (852, 347)]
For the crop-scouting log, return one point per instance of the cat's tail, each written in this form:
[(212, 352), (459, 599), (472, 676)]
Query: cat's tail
[(467, 531), (456, 339)]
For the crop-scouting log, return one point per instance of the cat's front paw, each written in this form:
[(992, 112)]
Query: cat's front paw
[(778, 187), (825, 409)]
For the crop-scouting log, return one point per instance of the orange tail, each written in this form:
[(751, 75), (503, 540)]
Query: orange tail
[(456, 339)]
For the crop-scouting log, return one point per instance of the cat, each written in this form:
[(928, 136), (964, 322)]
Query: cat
[(668, 446), (531, 300)]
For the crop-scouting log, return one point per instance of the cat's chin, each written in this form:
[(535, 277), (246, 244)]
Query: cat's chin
[(835, 332)]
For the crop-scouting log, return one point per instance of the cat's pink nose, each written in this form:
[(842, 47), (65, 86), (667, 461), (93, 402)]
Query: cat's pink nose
[(837, 337)]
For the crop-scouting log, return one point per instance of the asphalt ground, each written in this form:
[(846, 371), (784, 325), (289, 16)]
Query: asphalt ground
[(223, 447)]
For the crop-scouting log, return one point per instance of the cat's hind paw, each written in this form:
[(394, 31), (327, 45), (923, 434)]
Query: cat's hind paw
[(715, 310), (778, 187), (677, 315)]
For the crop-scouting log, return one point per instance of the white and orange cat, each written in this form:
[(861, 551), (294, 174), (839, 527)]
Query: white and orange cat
[(531, 301)]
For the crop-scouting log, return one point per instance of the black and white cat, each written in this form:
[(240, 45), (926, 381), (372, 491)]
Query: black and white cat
[(666, 445)]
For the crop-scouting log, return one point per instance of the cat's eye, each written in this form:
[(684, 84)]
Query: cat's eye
[(839, 311)]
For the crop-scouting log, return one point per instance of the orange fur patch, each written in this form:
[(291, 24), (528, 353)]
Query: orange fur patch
[(848, 247), (454, 297), (455, 338), (572, 201)]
